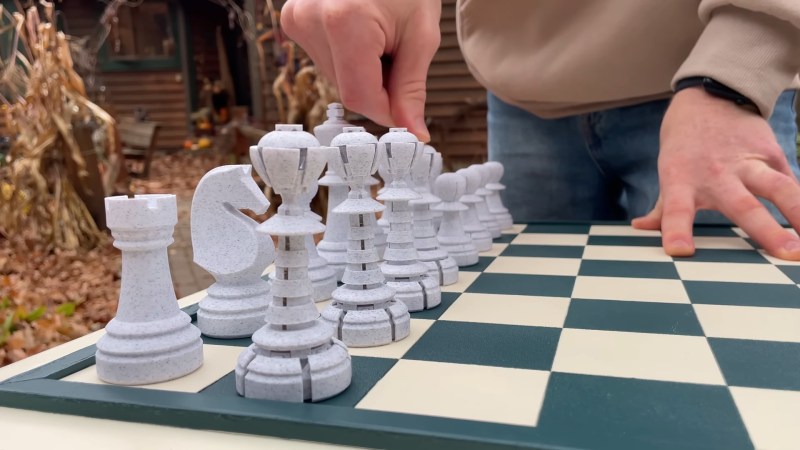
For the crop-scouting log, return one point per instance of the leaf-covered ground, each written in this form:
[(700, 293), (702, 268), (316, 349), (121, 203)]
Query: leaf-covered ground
[(48, 297)]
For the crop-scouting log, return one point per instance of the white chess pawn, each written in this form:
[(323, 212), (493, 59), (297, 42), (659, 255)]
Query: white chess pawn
[(494, 201), (472, 225), (150, 339), (401, 267), (436, 170), (364, 312), (294, 357), (486, 218), (226, 244), (452, 237), (322, 276), (440, 265)]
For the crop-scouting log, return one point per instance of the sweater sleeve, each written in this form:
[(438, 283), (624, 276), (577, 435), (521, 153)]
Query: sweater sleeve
[(752, 46)]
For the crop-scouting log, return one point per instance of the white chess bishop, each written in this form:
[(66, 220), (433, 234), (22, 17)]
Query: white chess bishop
[(452, 238), (294, 356), (323, 277), (364, 312), (401, 267), (226, 244)]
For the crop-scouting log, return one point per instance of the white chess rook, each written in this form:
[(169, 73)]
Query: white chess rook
[(486, 217), (494, 201), (440, 265), (364, 312), (452, 238), (472, 225), (150, 339), (333, 246), (226, 244), (294, 356), (401, 267)]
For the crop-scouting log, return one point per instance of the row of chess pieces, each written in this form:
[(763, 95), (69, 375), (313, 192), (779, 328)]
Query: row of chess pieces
[(375, 272)]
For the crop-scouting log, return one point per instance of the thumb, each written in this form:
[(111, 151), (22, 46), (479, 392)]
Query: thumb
[(407, 80)]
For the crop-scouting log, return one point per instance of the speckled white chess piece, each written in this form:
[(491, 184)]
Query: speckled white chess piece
[(472, 225), (436, 170), (294, 356), (440, 265), (323, 278), (226, 244), (383, 221), (401, 267), (364, 312), (380, 233), (452, 238), (487, 219), (333, 246), (494, 201), (150, 339)]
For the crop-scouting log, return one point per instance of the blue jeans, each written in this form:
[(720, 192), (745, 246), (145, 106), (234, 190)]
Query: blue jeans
[(597, 166)]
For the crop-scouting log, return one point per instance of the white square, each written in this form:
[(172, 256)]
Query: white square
[(620, 230), (575, 240), (534, 266), (625, 253), (464, 280), (731, 272), (663, 357), (509, 310), (460, 391), (770, 416), (724, 243), (630, 289), (749, 322)]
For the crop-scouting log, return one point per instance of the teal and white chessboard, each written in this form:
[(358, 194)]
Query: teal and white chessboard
[(563, 336)]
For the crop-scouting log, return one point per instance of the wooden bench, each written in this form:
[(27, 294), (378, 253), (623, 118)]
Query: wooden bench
[(138, 141)]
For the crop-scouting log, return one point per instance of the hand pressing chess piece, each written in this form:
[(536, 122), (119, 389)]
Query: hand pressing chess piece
[(226, 244), (294, 356), (494, 201), (440, 265), (150, 339), (364, 312), (452, 238), (401, 267)]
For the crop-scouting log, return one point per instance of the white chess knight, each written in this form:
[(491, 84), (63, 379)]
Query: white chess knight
[(452, 238), (472, 225), (401, 267), (150, 339), (494, 201), (487, 218), (322, 276), (226, 244), (440, 265), (364, 312), (294, 356)]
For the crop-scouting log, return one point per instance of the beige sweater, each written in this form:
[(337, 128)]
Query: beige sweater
[(562, 57)]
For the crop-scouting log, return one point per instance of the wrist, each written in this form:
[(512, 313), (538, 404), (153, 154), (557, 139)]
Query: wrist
[(718, 90)]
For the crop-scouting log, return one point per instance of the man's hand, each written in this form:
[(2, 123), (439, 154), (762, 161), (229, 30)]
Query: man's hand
[(347, 40), (716, 155)]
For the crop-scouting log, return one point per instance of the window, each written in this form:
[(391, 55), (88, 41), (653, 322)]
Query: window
[(143, 32)]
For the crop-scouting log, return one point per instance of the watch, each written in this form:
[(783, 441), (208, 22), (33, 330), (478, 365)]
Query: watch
[(717, 89)]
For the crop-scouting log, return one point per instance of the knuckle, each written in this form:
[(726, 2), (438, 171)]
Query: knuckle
[(336, 14)]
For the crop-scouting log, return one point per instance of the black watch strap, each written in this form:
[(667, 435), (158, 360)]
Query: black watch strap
[(717, 89)]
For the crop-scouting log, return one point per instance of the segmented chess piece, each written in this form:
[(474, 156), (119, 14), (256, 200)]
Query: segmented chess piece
[(150, 339), (364, 312), (401, 267), (226, 244), (451, 235), (440, 265), (294, 356), (436, 170), (472, 225), (494, 201), (486, 218), (322, 276)]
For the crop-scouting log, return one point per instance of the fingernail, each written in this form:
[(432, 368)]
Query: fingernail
[(792, 246)]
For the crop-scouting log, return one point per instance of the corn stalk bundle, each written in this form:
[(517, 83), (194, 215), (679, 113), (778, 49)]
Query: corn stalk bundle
[(48, 101)]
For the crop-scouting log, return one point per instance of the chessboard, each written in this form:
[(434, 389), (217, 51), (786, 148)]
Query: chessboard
[(580, 336)]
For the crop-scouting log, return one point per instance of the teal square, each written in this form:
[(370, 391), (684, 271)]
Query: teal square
[(558, 228), (714, 231), (628, 241), (758, 364), (486, 344), (543, 251), (631, 269), (793, 272), (483, 263), (504, 238), (743, 294), (725, 256), (367, 371), (605, 413), (515, 284), (434, 313), (635, 317)]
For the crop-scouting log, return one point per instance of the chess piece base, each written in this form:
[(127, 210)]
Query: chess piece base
[(369, 327), (417, 295), (481, 239), (231, 318), (444, 270), (268, 375)]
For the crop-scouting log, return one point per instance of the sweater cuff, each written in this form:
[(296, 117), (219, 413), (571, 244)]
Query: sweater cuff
[(753, 53)]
